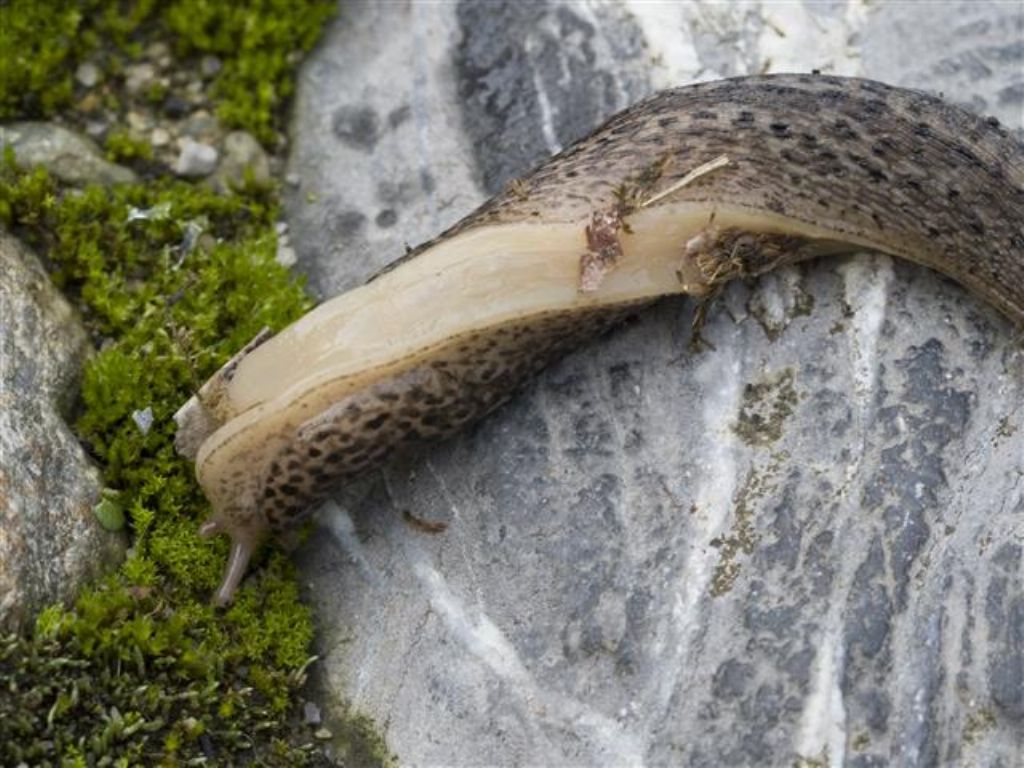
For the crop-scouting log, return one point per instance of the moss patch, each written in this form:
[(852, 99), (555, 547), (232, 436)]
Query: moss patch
[(766, 406), (258, 41), (741, 539), (171, 279)]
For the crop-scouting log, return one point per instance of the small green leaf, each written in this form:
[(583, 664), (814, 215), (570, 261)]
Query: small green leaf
[(110, 514)]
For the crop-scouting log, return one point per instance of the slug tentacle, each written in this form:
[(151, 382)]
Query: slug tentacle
[(246, 535), (681, 193)]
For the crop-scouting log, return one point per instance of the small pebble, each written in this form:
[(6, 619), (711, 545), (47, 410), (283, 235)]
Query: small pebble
[(200, 125), (138, 122), (209, 65), (160, 137), (87, 74), (157, 50), (323, 734), (96, 128), (285, 255), (243, 157), (176, 107), (138, 76), (311, 713), (293, 180), (195, 159), (281, 227)]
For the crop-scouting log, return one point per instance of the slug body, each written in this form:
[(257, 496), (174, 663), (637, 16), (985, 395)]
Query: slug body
[(678, 194)]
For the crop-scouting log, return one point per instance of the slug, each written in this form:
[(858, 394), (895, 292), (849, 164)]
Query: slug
[(678, 194)]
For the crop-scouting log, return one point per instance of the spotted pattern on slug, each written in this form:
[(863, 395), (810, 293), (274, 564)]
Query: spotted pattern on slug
[(812, 162), (470, 377), (942, 184)]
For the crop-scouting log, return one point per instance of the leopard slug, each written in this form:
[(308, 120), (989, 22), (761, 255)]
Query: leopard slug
[(678, 194)]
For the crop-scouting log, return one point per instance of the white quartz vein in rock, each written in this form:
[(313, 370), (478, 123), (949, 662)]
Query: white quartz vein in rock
[(479, 635), (822, 730), (339, 523), (866, 281), (547, 123), (720, 376), (460, 533)]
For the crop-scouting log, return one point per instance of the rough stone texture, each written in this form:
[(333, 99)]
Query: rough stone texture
[(805, 543), (50, 542), (243, 158), (68, 156), (195, 159)]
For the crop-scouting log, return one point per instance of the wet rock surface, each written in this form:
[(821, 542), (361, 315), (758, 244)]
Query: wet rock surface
[(803, 544), (50, 541)]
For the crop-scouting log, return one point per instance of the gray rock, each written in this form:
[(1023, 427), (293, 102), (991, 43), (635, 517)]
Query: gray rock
[(139, 122), (95, 129), (201, 126), (243, 156), (160, 137), (50, 541), (802, 545), (72, 158), (310, 713), (138, 76), (209, 65), (158, 51), (195, 159), (88, 74)]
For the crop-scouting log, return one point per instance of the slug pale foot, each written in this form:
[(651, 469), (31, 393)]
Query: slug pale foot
[(681, 193)]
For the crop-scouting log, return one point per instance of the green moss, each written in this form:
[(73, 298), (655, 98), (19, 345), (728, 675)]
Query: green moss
[(122, 147), (40, 42), (259, 43), (171, 279)]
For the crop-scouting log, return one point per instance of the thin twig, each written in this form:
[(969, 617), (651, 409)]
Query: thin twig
[(702, 170)]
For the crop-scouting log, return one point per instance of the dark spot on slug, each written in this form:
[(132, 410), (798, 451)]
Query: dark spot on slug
[(377, 421), (843, 130)]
